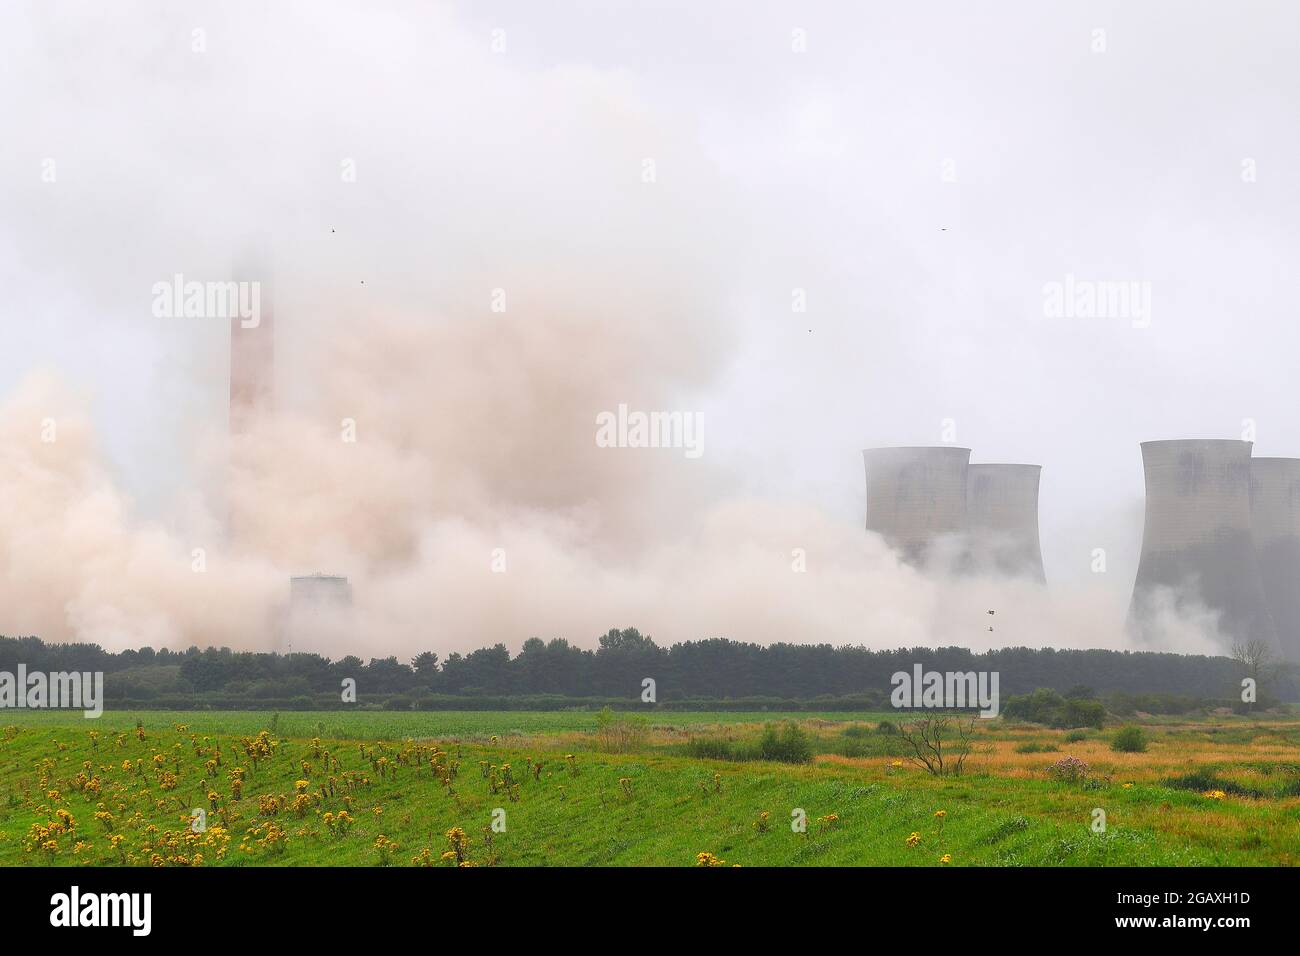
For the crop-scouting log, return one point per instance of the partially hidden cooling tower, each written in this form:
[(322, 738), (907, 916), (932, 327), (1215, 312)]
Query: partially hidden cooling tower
[(1275, 524), (1198, 549), (1002, 519), (916, 496)]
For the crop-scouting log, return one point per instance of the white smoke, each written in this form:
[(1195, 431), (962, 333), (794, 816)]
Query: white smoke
[(442, 558), (474, 505)]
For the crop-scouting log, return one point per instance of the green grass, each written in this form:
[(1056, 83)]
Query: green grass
[(579, 812), (399, 725)]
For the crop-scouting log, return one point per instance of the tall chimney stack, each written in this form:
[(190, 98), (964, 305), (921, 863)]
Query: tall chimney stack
[(252, 349)]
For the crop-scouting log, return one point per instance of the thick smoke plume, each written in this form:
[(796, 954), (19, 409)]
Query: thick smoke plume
[(474, 505), (450, 549)]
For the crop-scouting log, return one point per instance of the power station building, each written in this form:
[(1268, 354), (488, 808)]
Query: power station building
[(1197, 539), (319, 605), (1002, 519), (315, 591)]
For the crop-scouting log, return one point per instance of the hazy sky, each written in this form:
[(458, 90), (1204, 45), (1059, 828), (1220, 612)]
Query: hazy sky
[(920, 172)]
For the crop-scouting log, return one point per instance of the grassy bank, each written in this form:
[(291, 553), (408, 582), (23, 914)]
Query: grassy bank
[(372, 789)]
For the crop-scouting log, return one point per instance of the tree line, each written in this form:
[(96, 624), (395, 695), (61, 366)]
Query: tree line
[(617, 668)]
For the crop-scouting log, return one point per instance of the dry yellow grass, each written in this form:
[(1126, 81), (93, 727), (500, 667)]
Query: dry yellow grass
[(1177, 747)]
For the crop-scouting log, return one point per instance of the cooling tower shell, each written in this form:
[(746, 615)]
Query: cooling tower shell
[(1197, 539), (915, 496), (1002, 519), (1275, 524)]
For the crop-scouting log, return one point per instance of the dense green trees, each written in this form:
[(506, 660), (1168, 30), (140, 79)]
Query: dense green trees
[(714, 668)]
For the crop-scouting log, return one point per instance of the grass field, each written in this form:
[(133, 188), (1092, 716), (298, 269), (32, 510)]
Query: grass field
[(425, 788)]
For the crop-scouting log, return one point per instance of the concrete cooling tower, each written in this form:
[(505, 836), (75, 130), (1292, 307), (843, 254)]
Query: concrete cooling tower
[(915, 496), (1275, 524), (1197, 545), (1002, 519)]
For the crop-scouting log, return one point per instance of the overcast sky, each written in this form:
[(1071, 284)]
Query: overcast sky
[(921, 172)]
